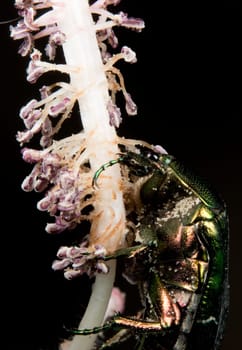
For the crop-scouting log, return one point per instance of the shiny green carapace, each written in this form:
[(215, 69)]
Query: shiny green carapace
[(178, 259)]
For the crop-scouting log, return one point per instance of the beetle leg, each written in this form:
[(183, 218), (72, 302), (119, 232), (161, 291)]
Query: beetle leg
[(123, 335), (121, 323), (141, 326), (164, 307), (129, 252), (104, 167), (94, 330), (170, 310)]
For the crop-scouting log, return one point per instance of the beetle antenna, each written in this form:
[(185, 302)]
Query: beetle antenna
[(104, 167)]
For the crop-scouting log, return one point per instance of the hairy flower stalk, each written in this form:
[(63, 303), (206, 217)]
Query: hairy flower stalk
[(64, 169)]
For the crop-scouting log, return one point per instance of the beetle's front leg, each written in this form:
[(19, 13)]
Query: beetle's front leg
[(120, 322), (129, 252)]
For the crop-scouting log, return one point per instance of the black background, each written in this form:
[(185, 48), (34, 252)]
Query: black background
[(186, 85)]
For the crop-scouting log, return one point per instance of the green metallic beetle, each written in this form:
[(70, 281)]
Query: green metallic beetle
[(180, 263)]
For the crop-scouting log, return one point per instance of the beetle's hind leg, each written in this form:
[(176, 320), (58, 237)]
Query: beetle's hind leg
[(120, 322), (126, 327), (88, 331)]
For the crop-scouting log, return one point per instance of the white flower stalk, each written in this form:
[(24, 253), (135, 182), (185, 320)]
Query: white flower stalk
[(65, 168)]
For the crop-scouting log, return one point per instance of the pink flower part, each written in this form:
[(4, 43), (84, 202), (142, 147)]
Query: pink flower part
[(45, 141), (24, 136), (130, 106), (41, 184), (72, 252), (32, 155), (46, 203), (129, 55), (57, 38), (46, 127), (26, 46), (70, 274), (130, 22), (49, 18), (104, 3), (32, 118), (29, 182), (52, 159), (26, 110), (57, 227), (112, 38), (60, 264), (33, 70), (59, 107), (80, 260), (29, 19), (160, 149), (101, 267), (19, 31), (99, 251), (44, 171), (67, 180), (45, 91), (115, 118), (112, 2), (23, 4)]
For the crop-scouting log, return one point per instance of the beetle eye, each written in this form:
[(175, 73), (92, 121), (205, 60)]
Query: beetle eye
[(153, 157)]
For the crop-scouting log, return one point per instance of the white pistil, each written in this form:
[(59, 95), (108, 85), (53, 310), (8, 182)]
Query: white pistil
[(81, 50), (108, 227)]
